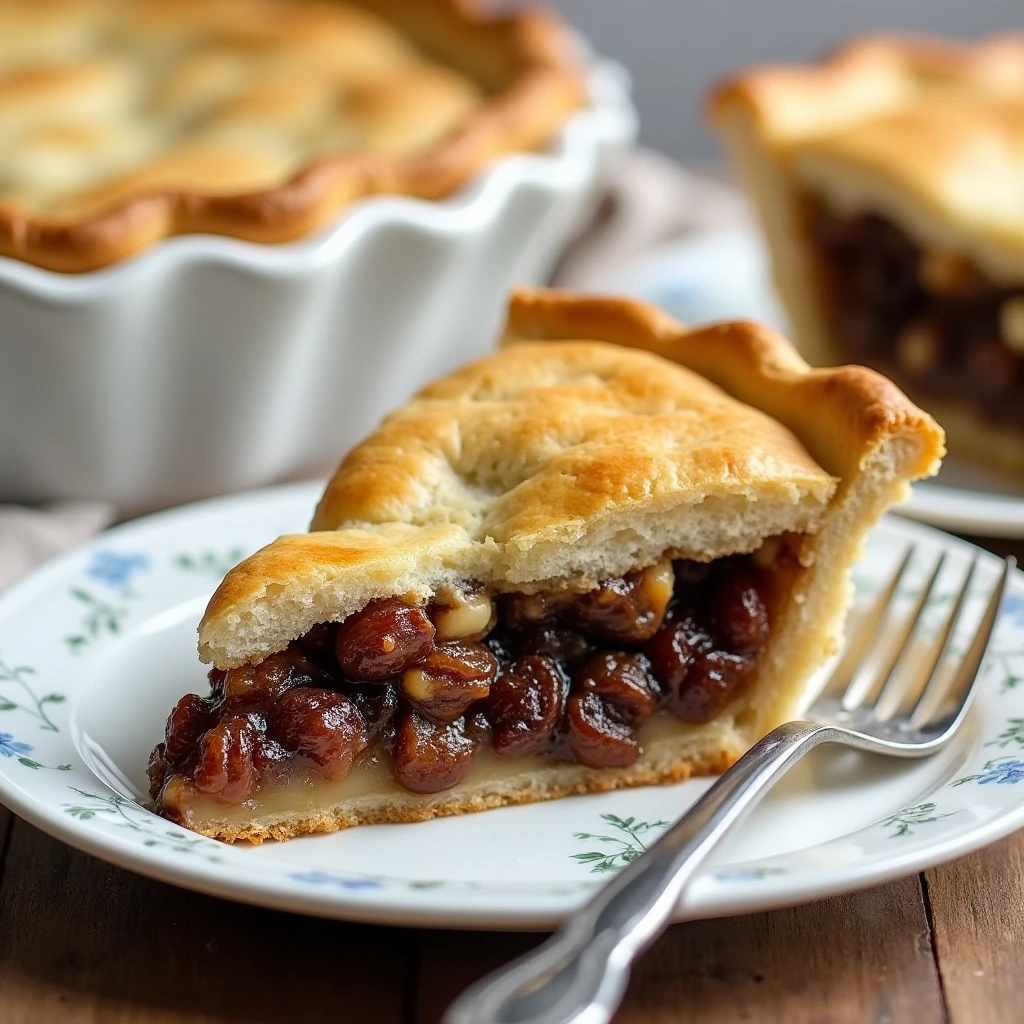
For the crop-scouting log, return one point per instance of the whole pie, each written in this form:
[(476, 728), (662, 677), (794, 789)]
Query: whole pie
[(125, 121), (610, 554), (888, 179)]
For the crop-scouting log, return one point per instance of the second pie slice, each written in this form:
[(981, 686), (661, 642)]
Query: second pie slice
[(611, 554), (887, 179)]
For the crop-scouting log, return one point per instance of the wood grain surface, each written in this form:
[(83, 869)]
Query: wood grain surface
[(82, 942)]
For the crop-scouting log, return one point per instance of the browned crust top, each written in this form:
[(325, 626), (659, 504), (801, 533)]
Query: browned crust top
[(841, 414), (885, 58), (535, 82)]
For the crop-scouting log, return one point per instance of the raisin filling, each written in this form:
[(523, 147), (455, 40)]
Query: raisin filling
[(566, 675), (930, 319)]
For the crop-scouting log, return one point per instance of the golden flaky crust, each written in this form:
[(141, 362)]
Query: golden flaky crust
[(602, 435), (521, 80), (539, 464), (924, 132)]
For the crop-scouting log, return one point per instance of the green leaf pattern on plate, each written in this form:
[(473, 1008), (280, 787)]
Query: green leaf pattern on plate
[(622, 847), (136, 818)]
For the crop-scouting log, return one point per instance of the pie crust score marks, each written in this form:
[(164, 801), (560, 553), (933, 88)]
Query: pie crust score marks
[(709, 444), (128, 121), (924, 140)]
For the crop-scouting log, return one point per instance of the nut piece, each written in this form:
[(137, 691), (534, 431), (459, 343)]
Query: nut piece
[(382, 640), (429, 757), (321, 724), (468, 616), (454, 675), (525, 706)]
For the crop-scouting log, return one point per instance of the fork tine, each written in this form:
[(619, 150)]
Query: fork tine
[(919, 695), (890, 672), (956, 695), (845, 672)]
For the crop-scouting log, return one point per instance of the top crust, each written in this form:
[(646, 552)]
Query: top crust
[(925, 132), (276, 162), (576, 460)]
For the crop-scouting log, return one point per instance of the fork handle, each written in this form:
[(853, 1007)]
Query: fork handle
[(580, 973)]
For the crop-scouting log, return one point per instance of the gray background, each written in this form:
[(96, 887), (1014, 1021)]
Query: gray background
[(675, 48)]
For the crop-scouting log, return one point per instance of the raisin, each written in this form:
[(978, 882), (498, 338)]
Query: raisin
[(429, 757), (318, 643), (156, 770), (188, 720), (383, 640), (225, 766), (264, 683), (525, 705), (520, 611), (712, 680), (596, 738), (454, 675), (322, 725), (672, 649), (377, 704), (623, 681), (216, 677), (628, 609), (738, 612), (993, 369), (690, 575), (503, 644), (564, 645)]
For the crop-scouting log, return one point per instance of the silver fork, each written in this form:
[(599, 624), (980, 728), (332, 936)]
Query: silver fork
[(888, 694)]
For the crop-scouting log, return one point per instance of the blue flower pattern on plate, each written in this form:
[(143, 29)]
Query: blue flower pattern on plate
[(1013, 609), (115, 568), (323, 878), (1003, 773), (10, 747)]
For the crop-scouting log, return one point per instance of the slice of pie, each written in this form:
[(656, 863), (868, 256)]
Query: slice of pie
[(888, 180), (610, 554)]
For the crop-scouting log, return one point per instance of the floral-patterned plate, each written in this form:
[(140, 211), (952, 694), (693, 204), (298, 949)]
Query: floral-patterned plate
[(96, 647)]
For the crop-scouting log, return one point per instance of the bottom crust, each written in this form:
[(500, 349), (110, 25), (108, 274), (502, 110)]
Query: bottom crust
[(659, 766)]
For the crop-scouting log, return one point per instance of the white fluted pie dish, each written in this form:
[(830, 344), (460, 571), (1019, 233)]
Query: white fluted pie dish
[(209, 364)]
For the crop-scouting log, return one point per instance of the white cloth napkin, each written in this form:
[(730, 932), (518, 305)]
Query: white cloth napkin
[(647, 200)]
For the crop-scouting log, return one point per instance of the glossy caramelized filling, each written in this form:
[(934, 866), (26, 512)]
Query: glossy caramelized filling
[(931, 319), (566, 675)]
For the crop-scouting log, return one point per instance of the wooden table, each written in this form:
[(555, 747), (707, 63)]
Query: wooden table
[(81, 941)]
